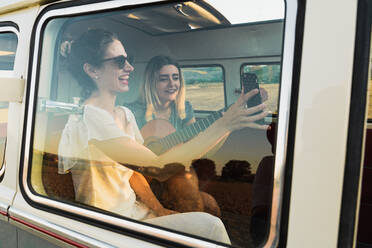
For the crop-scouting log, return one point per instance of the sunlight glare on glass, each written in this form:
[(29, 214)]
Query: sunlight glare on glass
[(244, 11)]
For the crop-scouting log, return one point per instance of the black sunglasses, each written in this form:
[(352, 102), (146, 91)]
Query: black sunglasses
[(119, 60)]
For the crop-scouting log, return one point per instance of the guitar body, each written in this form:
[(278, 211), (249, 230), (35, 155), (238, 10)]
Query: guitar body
[(180, 192), (155, 130)]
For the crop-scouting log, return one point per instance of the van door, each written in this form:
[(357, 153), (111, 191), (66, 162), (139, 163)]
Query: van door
[(8, 45), (207, 40)]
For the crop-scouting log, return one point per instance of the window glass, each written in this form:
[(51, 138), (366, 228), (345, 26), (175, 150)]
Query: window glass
[(268, 78), (121, 135), (8, 46), (204, 87)]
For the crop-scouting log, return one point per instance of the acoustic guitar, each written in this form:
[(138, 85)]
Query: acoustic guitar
[(160, 135), (180, 193)]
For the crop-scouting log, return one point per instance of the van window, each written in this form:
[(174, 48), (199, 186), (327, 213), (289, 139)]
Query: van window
[(205, 87), (8, 46), (216, 183)]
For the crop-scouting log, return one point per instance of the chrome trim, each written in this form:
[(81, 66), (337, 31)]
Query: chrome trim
[(55, 107), (59, 230), (141, 228), (7, 74), (283, 123), (9, 29)]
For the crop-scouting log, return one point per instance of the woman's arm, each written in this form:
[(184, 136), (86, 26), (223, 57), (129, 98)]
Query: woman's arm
[(127, 151), (144, 193)]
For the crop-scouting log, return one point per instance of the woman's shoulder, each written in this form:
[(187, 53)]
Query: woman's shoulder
[(126, 110), (128, 113), (94, 113)]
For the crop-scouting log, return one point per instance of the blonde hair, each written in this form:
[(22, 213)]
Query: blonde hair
[(149, 93)]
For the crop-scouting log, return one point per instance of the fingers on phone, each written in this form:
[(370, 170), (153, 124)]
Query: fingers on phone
[(258, 126), (245, 97), (257, 117), (249, 121), (255, 109), (252, 93)]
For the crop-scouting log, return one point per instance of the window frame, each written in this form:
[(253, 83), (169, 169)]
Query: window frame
[(131, 227), (223, 78), (7, 27)]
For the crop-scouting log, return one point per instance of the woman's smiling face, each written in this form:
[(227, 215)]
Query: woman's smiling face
[(169, 84), (110, 77)]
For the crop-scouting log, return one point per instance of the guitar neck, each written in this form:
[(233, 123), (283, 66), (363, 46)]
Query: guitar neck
[(189, 132)]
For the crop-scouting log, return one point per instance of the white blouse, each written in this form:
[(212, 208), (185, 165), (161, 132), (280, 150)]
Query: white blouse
[(98, 180)]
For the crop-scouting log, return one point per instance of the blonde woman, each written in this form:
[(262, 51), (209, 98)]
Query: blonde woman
[(162, 100), (160, 111), (163, 95)]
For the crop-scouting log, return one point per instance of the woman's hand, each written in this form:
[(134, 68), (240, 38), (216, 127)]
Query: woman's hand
[(238, 116), (264, 94)]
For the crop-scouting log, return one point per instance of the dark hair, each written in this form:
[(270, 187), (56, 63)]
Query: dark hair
[(89, 48)]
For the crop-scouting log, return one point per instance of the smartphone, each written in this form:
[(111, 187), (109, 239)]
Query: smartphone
[(250, 82)]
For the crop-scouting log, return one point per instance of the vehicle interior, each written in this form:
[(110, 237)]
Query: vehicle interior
[(213, 52)]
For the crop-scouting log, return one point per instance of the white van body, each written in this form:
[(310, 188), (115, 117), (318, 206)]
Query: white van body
[(319, 40)]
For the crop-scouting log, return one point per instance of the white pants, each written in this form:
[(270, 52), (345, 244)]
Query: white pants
[(196, 223)]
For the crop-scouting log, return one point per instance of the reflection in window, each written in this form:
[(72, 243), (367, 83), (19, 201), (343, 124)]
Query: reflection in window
[(204, 87), (74, 151), (268, 78), (8, 46)]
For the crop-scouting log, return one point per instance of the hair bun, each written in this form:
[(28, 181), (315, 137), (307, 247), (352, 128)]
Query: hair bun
[(65, 48)]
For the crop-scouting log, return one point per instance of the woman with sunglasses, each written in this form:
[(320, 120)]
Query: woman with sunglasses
[(108, 137)]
